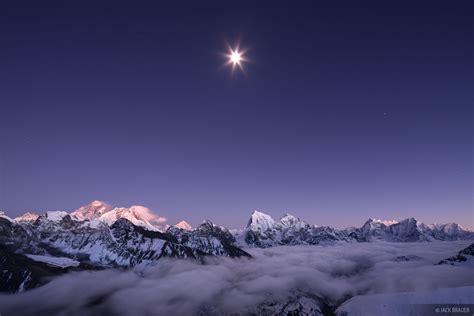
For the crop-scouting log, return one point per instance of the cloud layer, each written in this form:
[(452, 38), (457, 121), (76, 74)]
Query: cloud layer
[(148, 215), (332, 273)]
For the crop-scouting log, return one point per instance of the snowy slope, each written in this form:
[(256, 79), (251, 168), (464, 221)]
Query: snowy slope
[(139, 216), (98, 212), (61, 262), (128, 240), (405, 303), (91, 211), (260, 222), (184, 225), (465, 257), (27, 217), (263, 231), (55, 216)]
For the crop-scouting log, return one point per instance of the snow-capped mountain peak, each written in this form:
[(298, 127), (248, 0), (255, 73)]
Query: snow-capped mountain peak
[(27, 217), (55, 216), (260, 222), (450, 228), (385, 222), (262, 231), (289, 220), (98, 213), (184, 225), (91, 211)]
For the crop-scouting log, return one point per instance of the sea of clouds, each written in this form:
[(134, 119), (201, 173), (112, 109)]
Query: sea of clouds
[(185, 287)]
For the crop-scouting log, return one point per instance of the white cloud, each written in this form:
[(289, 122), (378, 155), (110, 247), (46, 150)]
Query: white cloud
[(147, 214), (175, 287)]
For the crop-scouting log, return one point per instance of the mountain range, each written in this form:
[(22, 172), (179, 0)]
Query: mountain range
[(263, 231), (98, 236)]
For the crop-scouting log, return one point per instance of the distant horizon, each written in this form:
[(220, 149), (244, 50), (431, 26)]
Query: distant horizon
[(233, 226)]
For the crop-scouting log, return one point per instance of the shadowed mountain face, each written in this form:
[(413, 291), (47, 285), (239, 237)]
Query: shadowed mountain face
[(121, 244), (98, 236), (464, 257), (20, 273), (263, 231)]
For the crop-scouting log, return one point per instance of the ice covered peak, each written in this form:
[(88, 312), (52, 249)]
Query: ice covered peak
[(260, 221), (449, 228), (385, 222), (27, 217), (289, 220), (55, 216), (452, 228), (184, 225), (91, 211)]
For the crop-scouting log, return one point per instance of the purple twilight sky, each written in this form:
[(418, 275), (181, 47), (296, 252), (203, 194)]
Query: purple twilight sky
[(345, 111)]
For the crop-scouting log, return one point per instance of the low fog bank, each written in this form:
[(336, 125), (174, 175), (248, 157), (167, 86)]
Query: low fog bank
[(180, 287)]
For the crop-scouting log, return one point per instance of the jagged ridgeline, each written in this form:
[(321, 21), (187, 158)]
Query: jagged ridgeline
[(263, 231), (97, 236), (57, 242)]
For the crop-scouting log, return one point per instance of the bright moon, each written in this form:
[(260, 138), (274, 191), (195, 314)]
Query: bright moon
[(235, 57)]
